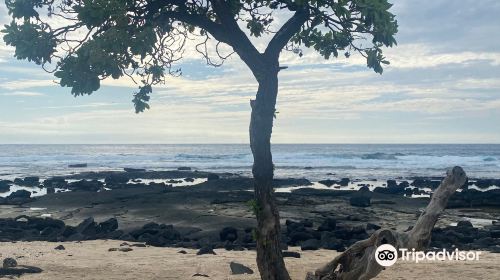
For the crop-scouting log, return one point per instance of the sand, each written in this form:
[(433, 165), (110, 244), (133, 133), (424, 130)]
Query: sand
[(92, 260)]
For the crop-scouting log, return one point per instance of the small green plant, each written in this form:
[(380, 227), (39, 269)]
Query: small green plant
[(254, 206)]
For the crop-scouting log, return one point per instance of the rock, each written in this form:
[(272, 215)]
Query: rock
[(184, 168), (297, 237), (328, 182), (206, 250), (344, 182), (486, 183), (330, 242), (307, 223), (238, 269), (60, 247), (76, 237), (68, 231), (85, 185), (5, 185), (228, 234), (425, 183), (465, 224), (17, 198), (364, 189), (392, 184), (310, 244), (19, 194), (213, 176), (200, 275), (122, 249), (371, 226), (108, 226), (288, 254), (495, 233), (328, 225), (116, 179), (189, 180), (87, 227), (126, 169), (182, 252), (360, 201), (9, 262), (51, 190), (31, 181), (78, 165), (55, 182)]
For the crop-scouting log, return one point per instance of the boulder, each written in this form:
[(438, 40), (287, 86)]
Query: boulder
[(344, 182), (19, 194), (9, 262), (32, 181), (108, 226), (87, 227), (17, 198), (310, 244), (85, 185), (55, 182), (330, 242), (206, 250), (5, 185), (238, 269), (328, 224), (228, 234), (465, 224), (328, 182)]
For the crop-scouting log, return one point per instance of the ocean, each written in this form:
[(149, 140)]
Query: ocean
[(312, 161)]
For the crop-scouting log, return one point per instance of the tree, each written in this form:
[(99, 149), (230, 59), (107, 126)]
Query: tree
[(86, 41)]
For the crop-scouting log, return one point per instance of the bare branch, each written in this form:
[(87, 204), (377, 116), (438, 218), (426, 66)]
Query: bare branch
[(283, 36)]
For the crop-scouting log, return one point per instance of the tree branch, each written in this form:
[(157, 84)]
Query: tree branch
[(238, 39), (281, 38)]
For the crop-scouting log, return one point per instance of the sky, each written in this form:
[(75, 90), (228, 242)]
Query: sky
[(443, 86)]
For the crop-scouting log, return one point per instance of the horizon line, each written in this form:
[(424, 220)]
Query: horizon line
[(338, 143)]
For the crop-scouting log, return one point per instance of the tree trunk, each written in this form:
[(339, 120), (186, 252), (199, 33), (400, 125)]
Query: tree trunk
[(268, 233), (358, 261)]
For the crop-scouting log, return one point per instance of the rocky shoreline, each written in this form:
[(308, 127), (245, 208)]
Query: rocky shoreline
[(213, 212)]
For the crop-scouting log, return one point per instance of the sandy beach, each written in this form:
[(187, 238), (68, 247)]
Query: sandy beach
[(92, 260)]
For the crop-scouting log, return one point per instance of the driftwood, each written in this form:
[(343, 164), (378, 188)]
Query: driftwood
[(358, 261)]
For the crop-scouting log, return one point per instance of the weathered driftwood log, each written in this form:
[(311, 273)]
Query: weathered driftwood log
[(358, 261)]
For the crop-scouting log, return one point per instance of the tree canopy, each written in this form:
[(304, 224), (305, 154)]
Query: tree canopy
[(86, 41)]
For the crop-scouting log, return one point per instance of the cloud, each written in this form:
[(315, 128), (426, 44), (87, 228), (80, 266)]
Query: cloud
[(443, 76), (22, 93)]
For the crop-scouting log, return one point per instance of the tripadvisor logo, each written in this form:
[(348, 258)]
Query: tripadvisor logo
[(387, 255)]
